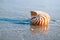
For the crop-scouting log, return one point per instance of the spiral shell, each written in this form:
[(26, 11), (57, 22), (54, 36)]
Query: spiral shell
[(40, 18)]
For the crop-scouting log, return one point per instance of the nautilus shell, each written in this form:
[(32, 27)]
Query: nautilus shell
[(39, 18)]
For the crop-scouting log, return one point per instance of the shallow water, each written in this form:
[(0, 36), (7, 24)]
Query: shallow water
[(17, 9)]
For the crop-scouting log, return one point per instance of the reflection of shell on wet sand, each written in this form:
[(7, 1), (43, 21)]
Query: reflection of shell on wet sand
[(36, 29), (40, 18)]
